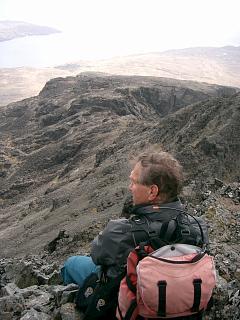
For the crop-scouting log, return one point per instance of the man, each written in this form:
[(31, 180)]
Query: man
[(155, 183)]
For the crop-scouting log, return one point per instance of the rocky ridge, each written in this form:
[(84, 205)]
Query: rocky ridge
[(57, 146), (63, 175), (206, 64)]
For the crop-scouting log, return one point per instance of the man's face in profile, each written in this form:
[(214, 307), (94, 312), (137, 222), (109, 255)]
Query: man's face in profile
[(140, 192)]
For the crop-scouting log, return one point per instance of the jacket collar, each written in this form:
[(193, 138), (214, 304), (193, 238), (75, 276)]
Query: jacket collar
[(143, 209)]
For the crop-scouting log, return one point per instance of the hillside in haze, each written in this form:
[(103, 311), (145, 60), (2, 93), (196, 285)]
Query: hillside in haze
[(64, 167), (14, 29), (211, 65)]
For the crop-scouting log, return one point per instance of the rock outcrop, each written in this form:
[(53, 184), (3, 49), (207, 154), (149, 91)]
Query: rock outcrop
[(216, 65), (204, 64)]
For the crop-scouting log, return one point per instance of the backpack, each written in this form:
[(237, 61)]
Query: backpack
[(85, 292), (98, 297), (167, 281)]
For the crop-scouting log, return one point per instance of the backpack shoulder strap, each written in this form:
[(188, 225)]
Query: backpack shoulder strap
[(183, 225), (129, 313), (156, 238)]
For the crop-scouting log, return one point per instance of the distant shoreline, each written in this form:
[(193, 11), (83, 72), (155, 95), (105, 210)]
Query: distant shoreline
[(10, 30), (27, 35)]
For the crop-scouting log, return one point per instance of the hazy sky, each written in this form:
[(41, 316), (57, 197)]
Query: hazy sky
[(136, 25)]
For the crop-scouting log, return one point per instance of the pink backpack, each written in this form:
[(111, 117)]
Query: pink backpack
[(174, 281)]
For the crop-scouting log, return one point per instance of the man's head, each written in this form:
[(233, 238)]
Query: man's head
[(155, 178)]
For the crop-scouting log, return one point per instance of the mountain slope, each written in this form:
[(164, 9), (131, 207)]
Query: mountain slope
[(205, 135), (64, 153)]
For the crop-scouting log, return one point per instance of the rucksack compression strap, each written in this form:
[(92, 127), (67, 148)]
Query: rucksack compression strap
[(162, 298), (197, 294)]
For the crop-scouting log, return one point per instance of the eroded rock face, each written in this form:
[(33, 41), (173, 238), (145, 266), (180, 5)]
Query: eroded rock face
[(64, 154), (75, 169)]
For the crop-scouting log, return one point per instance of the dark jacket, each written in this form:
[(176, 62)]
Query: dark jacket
[(111, 247)]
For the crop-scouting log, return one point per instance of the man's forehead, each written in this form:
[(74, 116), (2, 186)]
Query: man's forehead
[(136, 170)]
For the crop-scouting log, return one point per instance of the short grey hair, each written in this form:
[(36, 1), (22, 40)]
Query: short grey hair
[(163, 170)]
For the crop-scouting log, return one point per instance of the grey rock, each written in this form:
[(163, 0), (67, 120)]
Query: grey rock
[(14, 303), (218, 183), (69, 312), (52, 244), (9, 290), (49, 268), (68, 296), (55, 278), (35, 315), (29, 291), (39, 298), (6, 315), (41, 278), (57, 291), (27, 276), (237, 274)]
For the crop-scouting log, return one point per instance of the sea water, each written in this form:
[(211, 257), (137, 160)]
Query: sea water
[(41, 51)]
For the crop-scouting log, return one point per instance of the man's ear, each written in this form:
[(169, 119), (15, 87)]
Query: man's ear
[(154, 191)]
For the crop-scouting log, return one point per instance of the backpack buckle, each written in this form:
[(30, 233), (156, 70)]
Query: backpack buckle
[(185, 232)]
